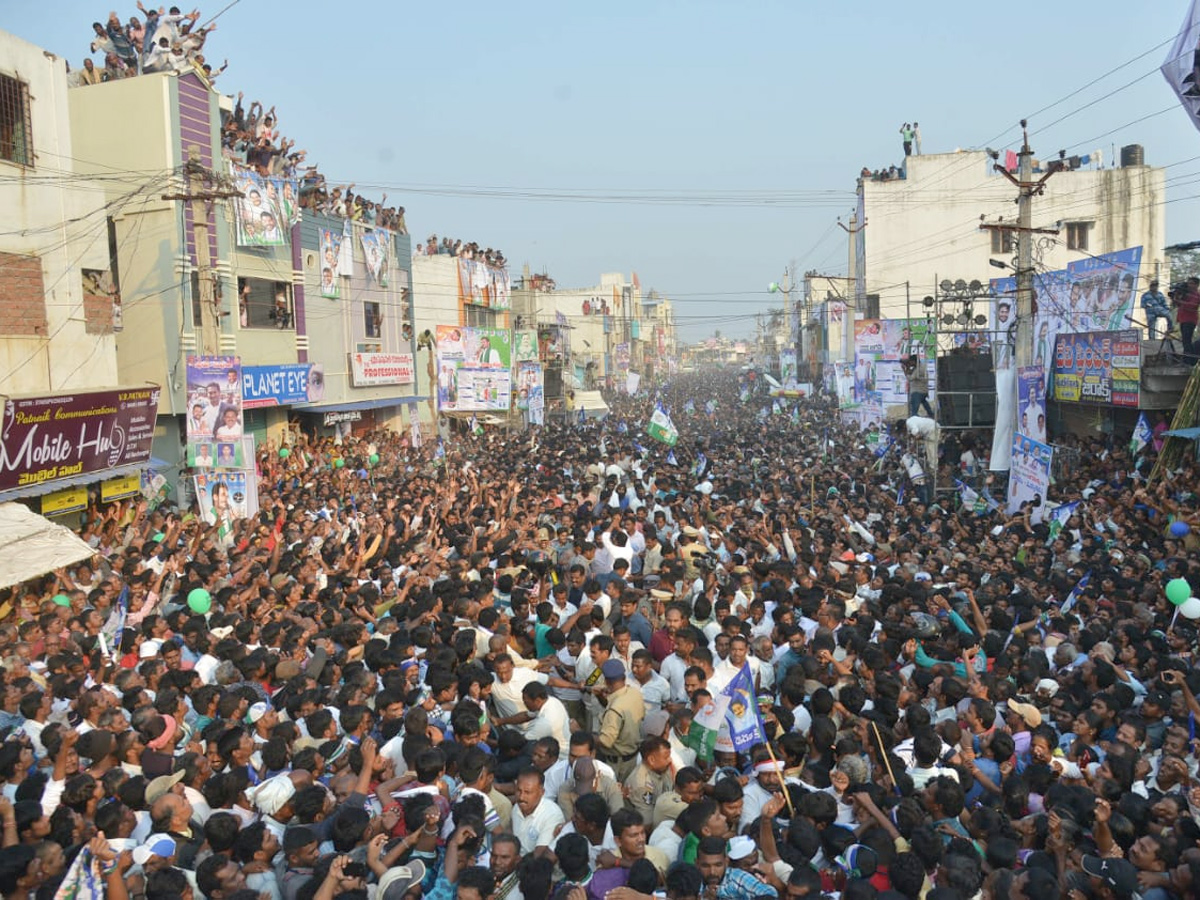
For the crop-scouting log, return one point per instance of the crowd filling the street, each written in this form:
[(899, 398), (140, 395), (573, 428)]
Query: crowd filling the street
[(576, 663)]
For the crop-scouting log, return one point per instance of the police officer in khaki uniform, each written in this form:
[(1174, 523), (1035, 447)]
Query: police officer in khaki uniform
[(652, 778), (621, 724)]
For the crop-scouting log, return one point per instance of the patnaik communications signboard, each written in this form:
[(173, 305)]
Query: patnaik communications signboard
[(44, 439)]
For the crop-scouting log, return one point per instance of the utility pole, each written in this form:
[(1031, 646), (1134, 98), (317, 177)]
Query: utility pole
[(852, 292), (203, 188), (1028, 189)]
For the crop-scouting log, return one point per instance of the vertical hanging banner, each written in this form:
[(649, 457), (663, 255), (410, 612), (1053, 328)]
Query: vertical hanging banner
[(376, 251), (1031, 395), (1029, 476), (331, 252), (214, 398)]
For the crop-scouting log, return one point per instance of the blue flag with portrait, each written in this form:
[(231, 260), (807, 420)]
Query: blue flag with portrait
[(745, 726)]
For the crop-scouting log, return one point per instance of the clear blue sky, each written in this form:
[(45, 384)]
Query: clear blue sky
[(673, 101)]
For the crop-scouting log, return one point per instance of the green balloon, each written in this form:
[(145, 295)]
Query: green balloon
[(374, 459), (199, 601), (1178, 590), (339, 463), (284, 452)]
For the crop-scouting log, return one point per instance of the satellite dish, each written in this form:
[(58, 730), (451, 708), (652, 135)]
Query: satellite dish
[(976, 286), (946, 285), (960, 285)]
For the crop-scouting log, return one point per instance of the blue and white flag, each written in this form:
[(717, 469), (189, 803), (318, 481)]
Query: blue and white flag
[(744, 394), (1059, 517), (582, 416), (640, 449), (710, 407), (115, 626), (622, 428), (689, 407), (745, 726), (476, 428), (701, 463), (1143, 434), (671, 460), (1076, 593), (440, 452)]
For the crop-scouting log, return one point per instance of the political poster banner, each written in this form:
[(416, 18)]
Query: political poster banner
[(1031, 397), (220, 454), (880, 348), (482, 284), (621, 354), (1029, 476), (1181, 68), (531, 396), (223, 497), (376, 252), (525, 346), (331, 254), (473, 369), (214, 398), (266, 209), (1090, 295), (1098, 367)]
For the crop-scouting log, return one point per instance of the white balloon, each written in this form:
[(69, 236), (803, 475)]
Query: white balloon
[(1190, 608)]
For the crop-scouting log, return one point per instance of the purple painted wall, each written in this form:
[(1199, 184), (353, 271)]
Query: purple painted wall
[(195, 128)]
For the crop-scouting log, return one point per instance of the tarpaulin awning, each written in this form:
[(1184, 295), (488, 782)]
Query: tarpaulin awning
[(1188, 434), (58, 484), (32, 545), (377, 403)]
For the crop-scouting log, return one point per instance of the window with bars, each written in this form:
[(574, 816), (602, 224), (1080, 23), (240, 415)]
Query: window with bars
[(16, 133)]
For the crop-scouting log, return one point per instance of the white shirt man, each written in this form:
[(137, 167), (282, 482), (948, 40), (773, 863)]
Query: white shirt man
[(552, 721), (507, 696), (538, 828)]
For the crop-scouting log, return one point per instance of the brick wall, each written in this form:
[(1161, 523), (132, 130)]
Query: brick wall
[(22, 295), (97, 302)]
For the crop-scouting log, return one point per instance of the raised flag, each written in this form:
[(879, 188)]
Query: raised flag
[(1059, 517), (702, 734), (745, 726), (710, 407), (1076, 593), (662, 429), (671, 460), (1143, 434)]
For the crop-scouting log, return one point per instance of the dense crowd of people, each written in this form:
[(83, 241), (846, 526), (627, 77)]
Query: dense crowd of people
[(486, 667), (454, 247), (169, 40)]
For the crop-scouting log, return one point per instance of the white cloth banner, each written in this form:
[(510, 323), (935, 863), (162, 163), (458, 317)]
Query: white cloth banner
[(1006, 410)]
